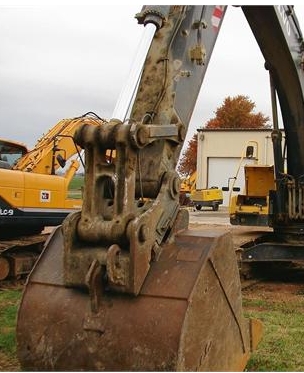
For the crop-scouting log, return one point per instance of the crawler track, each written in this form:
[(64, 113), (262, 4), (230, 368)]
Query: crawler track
[(18, 255)]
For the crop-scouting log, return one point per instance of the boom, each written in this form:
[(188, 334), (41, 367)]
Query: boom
[(57, 144), (278, 34)]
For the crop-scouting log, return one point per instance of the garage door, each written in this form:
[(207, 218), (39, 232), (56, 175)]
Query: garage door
[(221, 169)]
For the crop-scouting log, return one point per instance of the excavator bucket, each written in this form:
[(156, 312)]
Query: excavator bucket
[(187, 317)]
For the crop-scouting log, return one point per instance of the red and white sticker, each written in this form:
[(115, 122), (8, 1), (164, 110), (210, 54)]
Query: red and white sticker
[(217, 16)]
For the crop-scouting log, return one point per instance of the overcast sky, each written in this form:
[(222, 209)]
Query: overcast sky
[(62, 58)]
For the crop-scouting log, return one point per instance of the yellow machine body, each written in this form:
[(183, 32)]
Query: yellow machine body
[(212, 197), (252, 207), (24, 190)]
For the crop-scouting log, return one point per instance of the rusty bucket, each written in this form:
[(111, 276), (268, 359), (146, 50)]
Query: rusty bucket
[(187, 317)]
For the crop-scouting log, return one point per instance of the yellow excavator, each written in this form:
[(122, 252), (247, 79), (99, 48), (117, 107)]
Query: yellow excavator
[(34, 195), (123, 284), (186, 184)]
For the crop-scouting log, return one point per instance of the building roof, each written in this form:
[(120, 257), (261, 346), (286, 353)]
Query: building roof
[(236, 129)]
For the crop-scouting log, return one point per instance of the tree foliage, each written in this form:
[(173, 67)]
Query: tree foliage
[(187, 164), (237, 112)]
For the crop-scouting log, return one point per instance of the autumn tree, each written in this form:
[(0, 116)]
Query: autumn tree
[(187, 163), (237, 112)]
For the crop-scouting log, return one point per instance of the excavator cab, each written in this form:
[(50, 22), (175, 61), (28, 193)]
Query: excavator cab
[(124, 284), (10, 152)]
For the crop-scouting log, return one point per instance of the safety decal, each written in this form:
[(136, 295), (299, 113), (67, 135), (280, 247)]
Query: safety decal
[(45, 196)]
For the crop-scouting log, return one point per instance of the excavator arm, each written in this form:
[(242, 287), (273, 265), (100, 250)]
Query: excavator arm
[(138, 194)]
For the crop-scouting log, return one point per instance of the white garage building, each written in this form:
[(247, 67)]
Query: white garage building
[(220, 152)]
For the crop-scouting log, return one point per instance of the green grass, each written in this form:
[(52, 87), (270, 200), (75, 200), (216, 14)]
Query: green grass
[(281, 346), (77, 182), (75, 187), (9, 301)]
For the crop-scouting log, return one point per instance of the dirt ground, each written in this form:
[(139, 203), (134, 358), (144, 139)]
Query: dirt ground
[(280, 290), (288, 286), (277, 291), (9, 364)]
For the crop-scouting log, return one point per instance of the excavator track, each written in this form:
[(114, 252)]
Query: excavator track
[(18, 255)]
